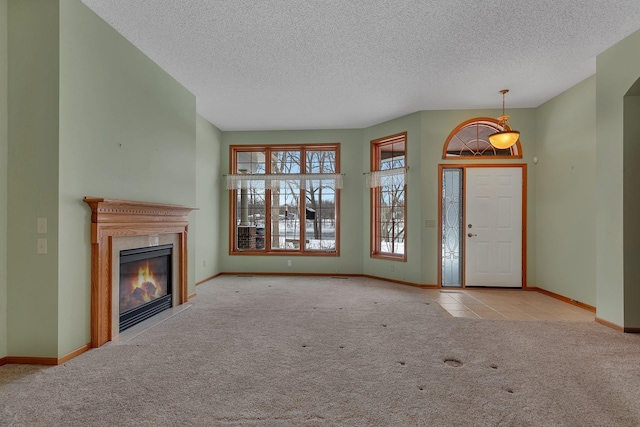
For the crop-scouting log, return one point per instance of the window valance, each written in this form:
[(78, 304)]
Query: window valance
[(273, 181), (391, 177)]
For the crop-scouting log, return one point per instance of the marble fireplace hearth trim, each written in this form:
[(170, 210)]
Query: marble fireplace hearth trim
[(135, 242)]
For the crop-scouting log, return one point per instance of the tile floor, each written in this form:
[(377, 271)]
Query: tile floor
[(506, 304)]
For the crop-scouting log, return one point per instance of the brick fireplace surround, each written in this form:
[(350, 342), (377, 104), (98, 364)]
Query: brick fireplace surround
[(124, 224)]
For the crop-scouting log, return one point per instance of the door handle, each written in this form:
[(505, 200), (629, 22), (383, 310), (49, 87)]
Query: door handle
[(471, 235)]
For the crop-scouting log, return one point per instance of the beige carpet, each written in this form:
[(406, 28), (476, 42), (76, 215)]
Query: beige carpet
[(274, 351)]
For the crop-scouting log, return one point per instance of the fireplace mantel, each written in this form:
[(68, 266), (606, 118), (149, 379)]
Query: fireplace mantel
[(112, 218)]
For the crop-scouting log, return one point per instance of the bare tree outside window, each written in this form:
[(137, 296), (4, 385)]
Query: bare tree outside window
[(320, 198), (392, 215), (285, 205), (389, 197), (301, 201)]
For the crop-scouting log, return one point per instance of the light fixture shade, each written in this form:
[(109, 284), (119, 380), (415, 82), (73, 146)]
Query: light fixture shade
[(504, 139)]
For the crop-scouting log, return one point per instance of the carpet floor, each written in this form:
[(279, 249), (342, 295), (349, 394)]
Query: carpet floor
[(292, 351)]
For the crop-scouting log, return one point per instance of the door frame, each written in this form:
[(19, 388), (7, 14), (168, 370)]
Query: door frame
[(441, 167)]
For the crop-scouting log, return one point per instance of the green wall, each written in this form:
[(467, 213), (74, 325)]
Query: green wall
[(127, 131), (3, 176), (351, 211), (617, 70), (436, 127), (88, 115), (411, 270), (565, 202), (632, 207), (206, 226), (33, 177), (427, 132), (84, 113)]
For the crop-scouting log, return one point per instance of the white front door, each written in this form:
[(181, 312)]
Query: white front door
[(493, 226)]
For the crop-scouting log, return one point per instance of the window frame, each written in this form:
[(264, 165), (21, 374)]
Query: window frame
[(515, 150), (267, 149), (375, 195)]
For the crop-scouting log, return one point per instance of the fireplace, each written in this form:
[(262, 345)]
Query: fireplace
[(145, 287), (123, 225)]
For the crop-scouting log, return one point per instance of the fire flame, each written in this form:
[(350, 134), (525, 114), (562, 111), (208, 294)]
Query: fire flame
[(146, 287)]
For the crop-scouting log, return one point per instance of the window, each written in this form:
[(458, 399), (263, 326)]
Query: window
[(470, 140), (387, 181), (284, 199)]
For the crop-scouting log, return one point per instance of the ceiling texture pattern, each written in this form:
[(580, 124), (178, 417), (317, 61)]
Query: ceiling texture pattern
[(331, 64)]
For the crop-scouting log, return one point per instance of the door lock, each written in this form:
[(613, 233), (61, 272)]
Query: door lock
[(471, 235)]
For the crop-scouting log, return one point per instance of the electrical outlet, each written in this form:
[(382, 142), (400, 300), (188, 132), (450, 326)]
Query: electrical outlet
[(42, 225), (393, 268), (42, 247), (204, 263), (288, 263)]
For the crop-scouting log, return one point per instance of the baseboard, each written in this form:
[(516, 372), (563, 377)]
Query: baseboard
[(24, 360), (48, 361), (73, 354), (207, 279), (400, 282), (267, 273), (610, 324), (191, 296), (617, 327), (561, 298)]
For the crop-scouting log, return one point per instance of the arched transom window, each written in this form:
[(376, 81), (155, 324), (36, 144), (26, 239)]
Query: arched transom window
[(470, 139)]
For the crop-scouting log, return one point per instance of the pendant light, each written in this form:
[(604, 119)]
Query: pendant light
[(506, 137)]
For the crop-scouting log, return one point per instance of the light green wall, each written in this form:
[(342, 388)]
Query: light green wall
[(617, 69), (427, 132), (101, 119), (565, 202), (3, 177), (33, 177), (632, 207), (351, 213), (127, 131), (411, 270), (88, 115), (436, 127), (205, 228)]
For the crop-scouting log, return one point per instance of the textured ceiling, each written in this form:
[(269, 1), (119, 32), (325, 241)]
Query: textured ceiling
[(314, 64)]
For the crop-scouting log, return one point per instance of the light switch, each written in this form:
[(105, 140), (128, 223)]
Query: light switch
[(42, 246), (42, 225)]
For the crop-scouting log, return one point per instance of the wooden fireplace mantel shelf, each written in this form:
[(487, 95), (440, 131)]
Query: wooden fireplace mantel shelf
[(119, 218), (114, 210)]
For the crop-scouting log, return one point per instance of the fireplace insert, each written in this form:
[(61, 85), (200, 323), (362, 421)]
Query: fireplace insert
[(145, 283)]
